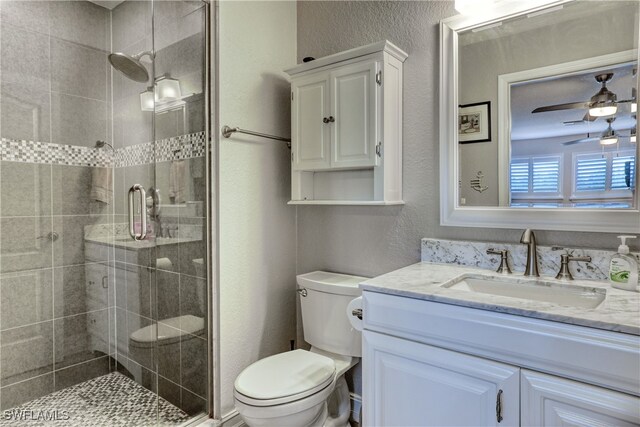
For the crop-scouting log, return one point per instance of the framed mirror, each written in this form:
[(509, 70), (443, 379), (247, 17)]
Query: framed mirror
[(538, 116)]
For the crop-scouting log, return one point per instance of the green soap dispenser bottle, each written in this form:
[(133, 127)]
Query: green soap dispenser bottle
[(623, 270)]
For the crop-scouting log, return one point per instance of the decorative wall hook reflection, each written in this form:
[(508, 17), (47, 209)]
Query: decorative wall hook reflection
[(477, 183)]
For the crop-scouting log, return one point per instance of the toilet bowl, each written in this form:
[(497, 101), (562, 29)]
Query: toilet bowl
[(163, 339), (307, 388)]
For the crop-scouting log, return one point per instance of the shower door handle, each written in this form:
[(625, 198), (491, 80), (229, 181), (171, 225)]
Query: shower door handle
[(143, 212)]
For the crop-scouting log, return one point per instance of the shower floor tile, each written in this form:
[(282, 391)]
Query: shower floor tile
[(109, 400)]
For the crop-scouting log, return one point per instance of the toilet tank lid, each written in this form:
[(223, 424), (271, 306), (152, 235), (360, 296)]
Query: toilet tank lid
[(333, 283)]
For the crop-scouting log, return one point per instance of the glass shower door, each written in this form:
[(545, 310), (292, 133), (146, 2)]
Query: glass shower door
[(163, 320), (179, 219), (94, 101)]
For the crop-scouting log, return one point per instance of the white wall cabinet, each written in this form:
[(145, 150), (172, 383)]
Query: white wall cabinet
[(432, 364), (310, 109), (346, 127)]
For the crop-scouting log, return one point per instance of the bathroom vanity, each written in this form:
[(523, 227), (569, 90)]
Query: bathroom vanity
[(447, 345), (137, 264)]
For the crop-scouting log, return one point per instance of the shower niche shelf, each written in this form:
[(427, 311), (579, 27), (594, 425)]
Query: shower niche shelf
[(346, 128)]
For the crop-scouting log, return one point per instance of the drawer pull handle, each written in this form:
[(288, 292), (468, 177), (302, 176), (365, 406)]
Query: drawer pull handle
[(499, 406)]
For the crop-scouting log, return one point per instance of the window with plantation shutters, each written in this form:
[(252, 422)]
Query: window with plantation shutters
[(591, 173), (535, 177), (623, 170), (609, 175), (520, 176)]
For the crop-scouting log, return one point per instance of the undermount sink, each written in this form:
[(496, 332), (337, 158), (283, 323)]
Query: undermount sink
[(532, 289)]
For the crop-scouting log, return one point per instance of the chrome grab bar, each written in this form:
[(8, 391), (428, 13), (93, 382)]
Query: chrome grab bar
[(143, 212)]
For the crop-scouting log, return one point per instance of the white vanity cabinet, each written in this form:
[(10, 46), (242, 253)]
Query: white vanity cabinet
[(346, 127), (415, 384), (549, 400), (433, 364)]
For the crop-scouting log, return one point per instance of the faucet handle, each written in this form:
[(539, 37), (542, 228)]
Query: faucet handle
[(504, 261), (585, 258), (565, 259)]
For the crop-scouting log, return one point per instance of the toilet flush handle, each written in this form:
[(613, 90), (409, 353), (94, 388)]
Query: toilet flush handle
[(302, 292), (357, 313)]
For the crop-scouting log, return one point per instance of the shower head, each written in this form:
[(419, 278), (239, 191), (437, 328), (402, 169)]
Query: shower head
[(131, 66)]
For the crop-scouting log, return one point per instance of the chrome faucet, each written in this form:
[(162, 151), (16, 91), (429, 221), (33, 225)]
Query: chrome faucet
[(529, 239)]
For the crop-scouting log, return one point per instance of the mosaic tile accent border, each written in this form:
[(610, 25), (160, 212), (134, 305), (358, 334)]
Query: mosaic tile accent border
[(177, 148), (24, 151), (165, 150)]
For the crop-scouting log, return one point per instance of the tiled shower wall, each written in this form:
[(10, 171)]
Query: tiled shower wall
[(55, 89), (55, 103)]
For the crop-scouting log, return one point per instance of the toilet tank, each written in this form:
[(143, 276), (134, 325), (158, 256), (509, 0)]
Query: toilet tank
[(324, 311)]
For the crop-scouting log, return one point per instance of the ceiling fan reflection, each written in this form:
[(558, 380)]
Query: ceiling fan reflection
[(604, 103), (610, 135)]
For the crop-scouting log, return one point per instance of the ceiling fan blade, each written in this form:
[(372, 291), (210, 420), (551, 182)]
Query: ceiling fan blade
[(568, 106), (579, 141), (626, 100)]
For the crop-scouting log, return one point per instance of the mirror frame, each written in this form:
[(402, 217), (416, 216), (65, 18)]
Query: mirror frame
[(451, 214)]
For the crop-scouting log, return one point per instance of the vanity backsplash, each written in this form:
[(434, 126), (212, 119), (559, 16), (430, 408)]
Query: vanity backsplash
[(474, 254)]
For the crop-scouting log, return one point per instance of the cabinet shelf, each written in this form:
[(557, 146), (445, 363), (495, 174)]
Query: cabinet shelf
[(346, 202)]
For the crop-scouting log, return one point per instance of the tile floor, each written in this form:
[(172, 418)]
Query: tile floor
[(109, 400)]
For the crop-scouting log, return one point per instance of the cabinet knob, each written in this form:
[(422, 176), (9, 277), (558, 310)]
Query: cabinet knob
[(331, 119), (325, 120)]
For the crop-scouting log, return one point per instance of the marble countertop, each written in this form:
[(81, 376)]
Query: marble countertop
[(126, 242), (619, 312)]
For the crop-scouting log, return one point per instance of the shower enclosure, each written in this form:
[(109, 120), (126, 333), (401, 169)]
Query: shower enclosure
[(103, 212)]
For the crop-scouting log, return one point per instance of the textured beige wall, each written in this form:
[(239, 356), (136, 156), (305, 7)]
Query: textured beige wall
[(257, 228), (375, 240)]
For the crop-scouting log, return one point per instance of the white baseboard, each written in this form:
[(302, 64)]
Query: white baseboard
[(232, 419)]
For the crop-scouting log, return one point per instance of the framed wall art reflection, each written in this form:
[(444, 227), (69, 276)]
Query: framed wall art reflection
[(474, 122)]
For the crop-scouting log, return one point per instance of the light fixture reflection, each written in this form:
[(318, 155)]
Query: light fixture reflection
[(609, 136), (602, 111), (167, 89), (609, 140), (147, 101)]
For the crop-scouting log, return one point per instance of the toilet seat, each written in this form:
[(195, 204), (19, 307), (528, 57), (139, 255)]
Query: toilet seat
[(284, 378), (167, 331)]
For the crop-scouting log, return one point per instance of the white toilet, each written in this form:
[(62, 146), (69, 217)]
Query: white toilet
[(307, 388)]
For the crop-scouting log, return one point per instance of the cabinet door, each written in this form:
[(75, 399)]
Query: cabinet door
[(310, 133), (552, 401), (410, 384), (353, 100)]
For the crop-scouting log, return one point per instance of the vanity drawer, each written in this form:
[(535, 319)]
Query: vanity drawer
[(96, 251), (604, 358)]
